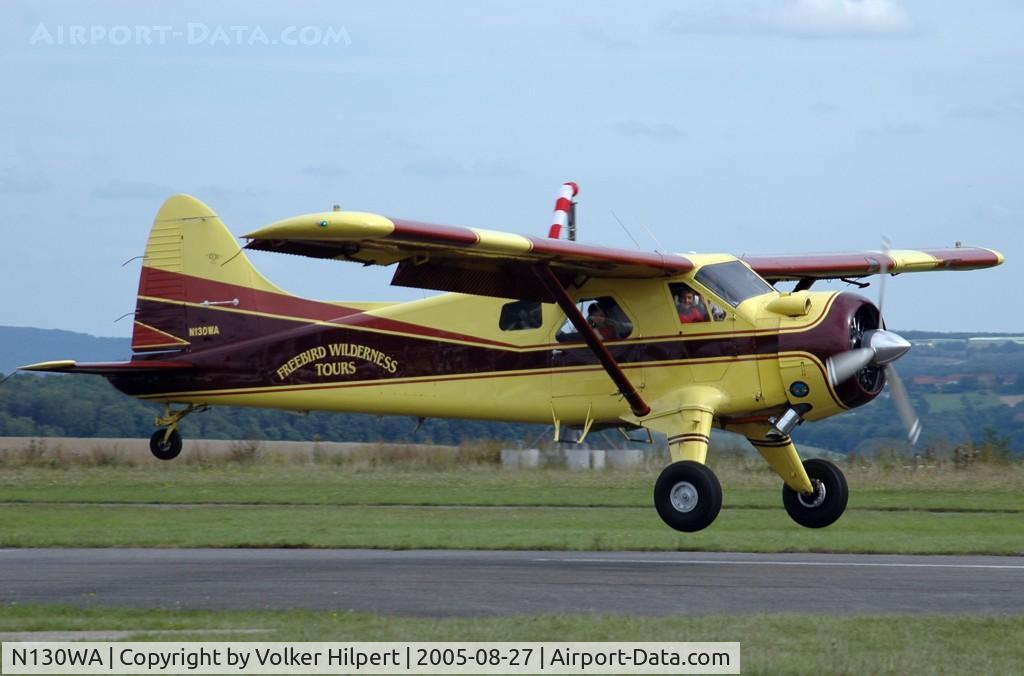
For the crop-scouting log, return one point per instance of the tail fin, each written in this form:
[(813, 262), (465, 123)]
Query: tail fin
[(192, 266)]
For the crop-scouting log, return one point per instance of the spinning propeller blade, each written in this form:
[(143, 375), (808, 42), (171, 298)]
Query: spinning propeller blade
[(897, 391), (903, 406)]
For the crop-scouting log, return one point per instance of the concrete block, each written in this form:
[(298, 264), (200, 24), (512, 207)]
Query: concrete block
[(577, 458), (626, 459), (529, 458), (520, 458)]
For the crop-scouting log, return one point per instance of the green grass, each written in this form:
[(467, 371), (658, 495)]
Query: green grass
[(569, 528), (945, 403), (279, 502), (770, 644), (991, 488)]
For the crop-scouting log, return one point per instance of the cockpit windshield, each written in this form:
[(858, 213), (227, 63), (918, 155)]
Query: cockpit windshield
[(733, 282)]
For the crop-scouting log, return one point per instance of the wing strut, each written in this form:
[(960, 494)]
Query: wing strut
[(550, 281)]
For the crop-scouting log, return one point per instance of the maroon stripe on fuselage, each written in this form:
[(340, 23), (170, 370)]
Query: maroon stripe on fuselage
[(198, 290), (293, 308)]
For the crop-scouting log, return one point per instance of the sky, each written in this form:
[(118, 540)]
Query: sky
[(743, 126)]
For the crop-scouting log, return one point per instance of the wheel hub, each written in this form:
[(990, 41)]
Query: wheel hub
[(814, 499), (683, 496)]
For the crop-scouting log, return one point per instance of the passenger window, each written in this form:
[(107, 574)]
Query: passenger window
[(604, 314), (520, 315), (691, 307)]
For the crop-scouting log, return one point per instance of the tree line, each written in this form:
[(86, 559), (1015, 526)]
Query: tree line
[(88, 406)]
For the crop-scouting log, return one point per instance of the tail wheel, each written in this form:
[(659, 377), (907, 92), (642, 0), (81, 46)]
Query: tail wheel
[(165, 446), (688, 496), (828, 501)]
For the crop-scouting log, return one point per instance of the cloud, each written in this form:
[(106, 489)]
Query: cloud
[(824, 108), (391, 139), (1004, 109), (324, 170), (216, 193), (496, 169), (119, 189), (661, 131), (597, 36), (819, 19), (895, 130), (15, 181), (448, 167), (435, 167)]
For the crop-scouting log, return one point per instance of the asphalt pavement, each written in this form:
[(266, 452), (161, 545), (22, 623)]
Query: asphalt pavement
[(448, 583)]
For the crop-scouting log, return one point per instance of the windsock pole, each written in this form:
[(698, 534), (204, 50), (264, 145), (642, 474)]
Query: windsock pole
[(565, 211)]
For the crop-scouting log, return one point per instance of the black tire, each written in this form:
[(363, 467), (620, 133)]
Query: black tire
[(688, 496), (823, 508), (165, 450)]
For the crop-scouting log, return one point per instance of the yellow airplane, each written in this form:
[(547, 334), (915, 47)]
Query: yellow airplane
[(532, 329)]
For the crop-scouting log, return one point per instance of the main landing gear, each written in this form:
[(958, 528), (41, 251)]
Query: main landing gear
[(828, 501), (165, 443), (688, 496)]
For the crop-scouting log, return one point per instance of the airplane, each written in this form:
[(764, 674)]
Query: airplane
[(529, 329)]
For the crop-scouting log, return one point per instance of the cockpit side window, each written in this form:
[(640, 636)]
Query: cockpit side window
[(692, 307), (733, 282), (604, 314), (520, 315)]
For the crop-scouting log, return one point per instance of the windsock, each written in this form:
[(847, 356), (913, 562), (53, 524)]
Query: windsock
[(565, 195)]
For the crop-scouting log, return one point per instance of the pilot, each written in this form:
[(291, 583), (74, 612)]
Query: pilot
[(603, 326), (690, 309)]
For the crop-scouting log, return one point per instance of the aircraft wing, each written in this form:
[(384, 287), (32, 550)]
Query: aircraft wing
[(453, 258), (864, 263)]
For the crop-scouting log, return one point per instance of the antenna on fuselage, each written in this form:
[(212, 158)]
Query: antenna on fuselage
[(660, 248), (623, 225)]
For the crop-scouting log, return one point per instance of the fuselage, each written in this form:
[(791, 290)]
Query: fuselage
[(457, 355)]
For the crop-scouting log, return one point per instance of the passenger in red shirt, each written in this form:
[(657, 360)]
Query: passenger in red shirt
[(690, 310)]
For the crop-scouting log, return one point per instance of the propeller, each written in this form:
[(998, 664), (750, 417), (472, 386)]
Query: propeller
[(897, 392), (879, 348)]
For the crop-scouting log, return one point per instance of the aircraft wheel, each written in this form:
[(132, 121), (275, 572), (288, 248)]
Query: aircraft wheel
[(687, 496), (165, 449), (826, 504)]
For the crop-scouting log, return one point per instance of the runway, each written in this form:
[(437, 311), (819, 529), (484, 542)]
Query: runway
[(444, 583)]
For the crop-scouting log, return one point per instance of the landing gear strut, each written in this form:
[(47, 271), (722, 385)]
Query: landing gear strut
[(165, 443), (828, 501)]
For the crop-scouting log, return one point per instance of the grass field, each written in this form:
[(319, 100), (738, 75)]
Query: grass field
[(423, 501), (403, 499), (770, 644)]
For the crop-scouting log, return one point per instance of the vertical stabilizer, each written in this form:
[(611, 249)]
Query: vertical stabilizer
[(192, 268)]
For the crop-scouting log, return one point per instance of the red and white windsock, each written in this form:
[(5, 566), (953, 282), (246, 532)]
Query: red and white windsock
[(565, 196)]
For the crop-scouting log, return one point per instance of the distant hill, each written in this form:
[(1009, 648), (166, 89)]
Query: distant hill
[(22, 345)]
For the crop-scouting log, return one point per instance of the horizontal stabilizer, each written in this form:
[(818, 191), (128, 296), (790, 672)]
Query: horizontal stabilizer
[(106, 367)]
